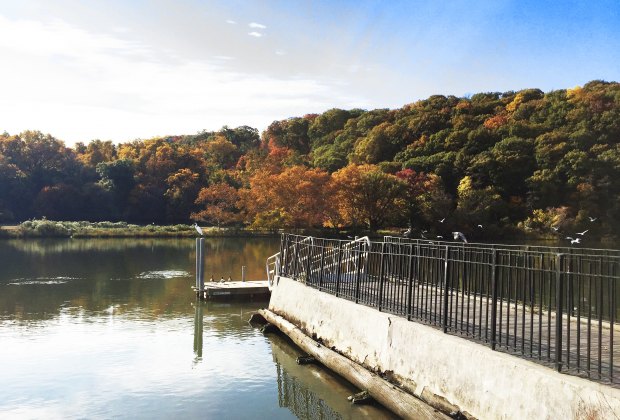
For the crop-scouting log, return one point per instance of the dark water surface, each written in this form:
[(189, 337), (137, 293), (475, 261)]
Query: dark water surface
[(109, 328)]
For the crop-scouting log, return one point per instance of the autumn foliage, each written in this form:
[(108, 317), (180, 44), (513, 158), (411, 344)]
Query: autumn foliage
[(502, 160)]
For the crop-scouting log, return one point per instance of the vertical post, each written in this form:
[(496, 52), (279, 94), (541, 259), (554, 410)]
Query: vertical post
[(559, 280), (309, 256), (338, 268), (494, 287), (445, 290), (200, 276), (243, 273), (410, 283), (357, 276), (381, 272)]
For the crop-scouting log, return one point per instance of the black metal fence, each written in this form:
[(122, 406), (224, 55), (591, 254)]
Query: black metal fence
[(557, 306)]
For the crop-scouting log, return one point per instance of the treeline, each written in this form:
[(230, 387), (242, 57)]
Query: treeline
[(486, 165)]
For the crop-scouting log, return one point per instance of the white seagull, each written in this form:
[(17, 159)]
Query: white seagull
[(442, 220), (480, 226), (555, 228), (592, 219), (582, 233), (459, 235), (198, 229)]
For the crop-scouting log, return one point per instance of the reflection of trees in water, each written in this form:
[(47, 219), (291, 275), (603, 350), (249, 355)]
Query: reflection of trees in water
[(93, 274), (302, 402)]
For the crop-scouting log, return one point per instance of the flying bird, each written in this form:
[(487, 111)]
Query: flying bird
[(592, 219), (582, 233), (555, 228), (480, 226), (198, 229), (573, 240), (459, 235), (439, 237), (442, 220)]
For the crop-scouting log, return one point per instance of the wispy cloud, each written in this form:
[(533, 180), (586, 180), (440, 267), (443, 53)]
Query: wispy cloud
[(232, 22), (255, 34), (79, 85), (257, 25)]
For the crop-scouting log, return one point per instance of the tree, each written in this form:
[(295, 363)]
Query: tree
[(294, 197), (220, 205), (366, 196)]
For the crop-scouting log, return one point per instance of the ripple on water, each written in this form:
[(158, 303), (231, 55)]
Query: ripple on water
[(163, 274), (41, 280)]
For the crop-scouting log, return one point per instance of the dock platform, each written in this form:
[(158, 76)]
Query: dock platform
[(235, 290)]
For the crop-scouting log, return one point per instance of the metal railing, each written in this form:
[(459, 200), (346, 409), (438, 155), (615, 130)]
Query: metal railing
[(556, 306)]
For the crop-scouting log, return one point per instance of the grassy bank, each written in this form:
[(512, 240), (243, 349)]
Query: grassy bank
[(53, 229)]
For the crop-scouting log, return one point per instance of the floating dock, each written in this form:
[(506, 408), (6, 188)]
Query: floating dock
[(236, 290)]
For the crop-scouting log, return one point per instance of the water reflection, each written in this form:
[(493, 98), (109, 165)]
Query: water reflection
[(37, 277), (198, 330), (312, 392), (110, 328)]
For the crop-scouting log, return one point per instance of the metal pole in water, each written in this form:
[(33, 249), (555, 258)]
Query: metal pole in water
[(200, 272)]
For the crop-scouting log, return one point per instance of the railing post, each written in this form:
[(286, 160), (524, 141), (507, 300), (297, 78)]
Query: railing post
[(282, 239), (338, 268), (445, 291), (410, 283), (357, 277), (381, 272), (296, 257), (494, 287), (559, 280), (310, 250), (322, 264)]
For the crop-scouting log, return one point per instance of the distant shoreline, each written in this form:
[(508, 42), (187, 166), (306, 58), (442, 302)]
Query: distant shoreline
[(54, 229)]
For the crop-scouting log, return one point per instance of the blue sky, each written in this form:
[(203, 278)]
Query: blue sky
[(121, 69)]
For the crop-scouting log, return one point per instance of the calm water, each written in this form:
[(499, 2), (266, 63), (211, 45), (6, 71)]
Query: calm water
[(110, 328)]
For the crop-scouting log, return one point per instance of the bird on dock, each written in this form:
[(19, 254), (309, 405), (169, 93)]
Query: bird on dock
[(459, 235), (198, 229), (407, 233), (582, 233), (222, 280)]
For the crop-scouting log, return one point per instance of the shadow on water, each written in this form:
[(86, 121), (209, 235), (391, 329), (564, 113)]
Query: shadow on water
[(313, 392)]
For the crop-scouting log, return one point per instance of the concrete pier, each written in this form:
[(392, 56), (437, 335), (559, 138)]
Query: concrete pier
[(448, 372)]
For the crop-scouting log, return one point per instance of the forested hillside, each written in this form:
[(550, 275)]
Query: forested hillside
[(513, 160)]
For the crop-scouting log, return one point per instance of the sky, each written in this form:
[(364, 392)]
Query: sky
[(134, 69)]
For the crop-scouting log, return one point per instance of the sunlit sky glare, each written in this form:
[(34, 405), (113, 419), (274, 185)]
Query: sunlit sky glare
[(125, 69)]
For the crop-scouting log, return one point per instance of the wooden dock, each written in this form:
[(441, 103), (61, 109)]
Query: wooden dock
[(235, 290)]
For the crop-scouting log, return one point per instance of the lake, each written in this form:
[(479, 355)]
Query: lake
[(103, 328)]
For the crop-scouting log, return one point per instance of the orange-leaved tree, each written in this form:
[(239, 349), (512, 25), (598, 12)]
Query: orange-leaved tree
[(219, 203), (292, 198)]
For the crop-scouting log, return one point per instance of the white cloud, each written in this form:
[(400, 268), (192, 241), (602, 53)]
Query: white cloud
[(79, 86), (255, 34), (232, 22), (257, 25), (280, 52)]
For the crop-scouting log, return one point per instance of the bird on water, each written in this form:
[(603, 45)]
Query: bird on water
[(198, 229)]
